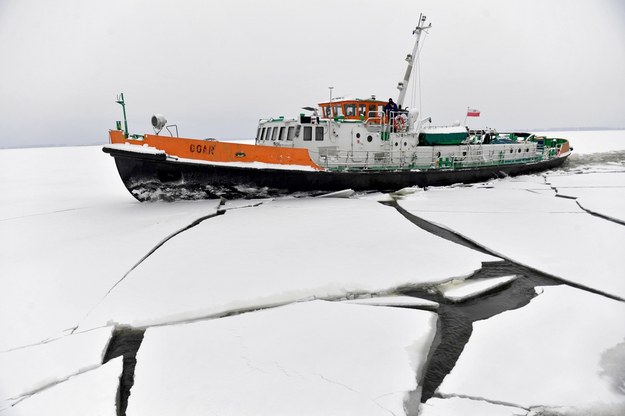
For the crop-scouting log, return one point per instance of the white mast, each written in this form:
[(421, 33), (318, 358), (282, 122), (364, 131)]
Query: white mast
[(402, 86)]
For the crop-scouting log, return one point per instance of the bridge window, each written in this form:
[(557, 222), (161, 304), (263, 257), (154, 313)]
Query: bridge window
[(362, 110), (327, 111), (258, 134), (281, 136), (338, 110), (318, 133), (275, 133), (307, 133), (290, 133), (350, 109), (268, 135)]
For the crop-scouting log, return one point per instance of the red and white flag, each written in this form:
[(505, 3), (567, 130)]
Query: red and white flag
[(472, 112)]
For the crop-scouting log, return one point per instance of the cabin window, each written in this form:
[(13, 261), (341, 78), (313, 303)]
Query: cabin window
[(268, 135), (373, 110), (318, 133), (290, 133), (258, 134), (262, 134), (297, 130), (338, 110), (327, 111), (362, 110), (350, 110), (275, 133), (307, 133), (281, 136)]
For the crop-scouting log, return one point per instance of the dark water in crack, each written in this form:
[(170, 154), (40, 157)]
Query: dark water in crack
[(455, 323), (125, 342)]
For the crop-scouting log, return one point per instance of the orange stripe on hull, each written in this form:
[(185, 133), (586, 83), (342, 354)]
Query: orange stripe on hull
[(216, 151)]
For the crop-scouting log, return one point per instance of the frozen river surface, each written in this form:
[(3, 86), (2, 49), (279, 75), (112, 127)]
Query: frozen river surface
[(313, 305)]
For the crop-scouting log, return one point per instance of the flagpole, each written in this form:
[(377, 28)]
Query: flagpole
[(465, 116)]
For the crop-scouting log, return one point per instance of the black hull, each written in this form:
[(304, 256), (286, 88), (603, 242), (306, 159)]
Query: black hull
[(149, 177)]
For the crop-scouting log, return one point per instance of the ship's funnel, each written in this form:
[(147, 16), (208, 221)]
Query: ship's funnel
[(158, 122)]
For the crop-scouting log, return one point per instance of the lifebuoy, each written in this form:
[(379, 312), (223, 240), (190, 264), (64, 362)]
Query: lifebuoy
[(400, 122)]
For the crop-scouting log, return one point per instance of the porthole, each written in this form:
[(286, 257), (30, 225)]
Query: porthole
[(405, 143), (464, 153), (369, 139), (396, 144), (358, 135), (519, 150), (527, 150), (438, 154), (511, 150)]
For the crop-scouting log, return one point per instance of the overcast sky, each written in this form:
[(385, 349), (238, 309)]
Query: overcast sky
[(215, 67)]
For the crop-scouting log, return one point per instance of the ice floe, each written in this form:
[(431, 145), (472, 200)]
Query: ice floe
[(282, 252), (398, 301), (26, 370), (310, 358), (548, 353), (533, 229), (91, 393), (457, 406), (458, 291)]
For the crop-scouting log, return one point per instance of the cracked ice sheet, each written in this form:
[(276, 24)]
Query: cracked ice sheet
[(56, 267), (26, 370), (601, 193), (553, 352), (280, 252), (90, 393), (456, 406), (550, 234), (68, 231), (308, 358)]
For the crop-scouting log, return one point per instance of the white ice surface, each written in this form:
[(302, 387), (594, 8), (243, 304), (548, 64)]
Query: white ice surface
[(458, 291), (456, 406), (91, 393), (66, 237), (600, 193), (310, 358), (400, 301), (552, 352), (281, 252), (532, 228), (26, 370)]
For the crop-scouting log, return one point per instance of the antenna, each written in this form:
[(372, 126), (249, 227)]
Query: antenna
[(402, 86), (120, 100)]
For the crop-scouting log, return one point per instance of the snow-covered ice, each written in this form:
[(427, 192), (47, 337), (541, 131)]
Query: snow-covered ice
[(55, 267), (29, 369), (309, 358), (69, 231), (457, 406), (538, 230), (458, 291), (551, 352), (91, 393), (281, 252)]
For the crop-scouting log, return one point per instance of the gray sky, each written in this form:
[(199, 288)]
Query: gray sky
[(216, 67)]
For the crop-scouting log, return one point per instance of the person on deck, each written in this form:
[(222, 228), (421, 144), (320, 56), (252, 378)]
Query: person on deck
[(390, 106)]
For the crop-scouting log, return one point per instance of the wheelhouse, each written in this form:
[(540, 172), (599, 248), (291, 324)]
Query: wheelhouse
[(356, 109)]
